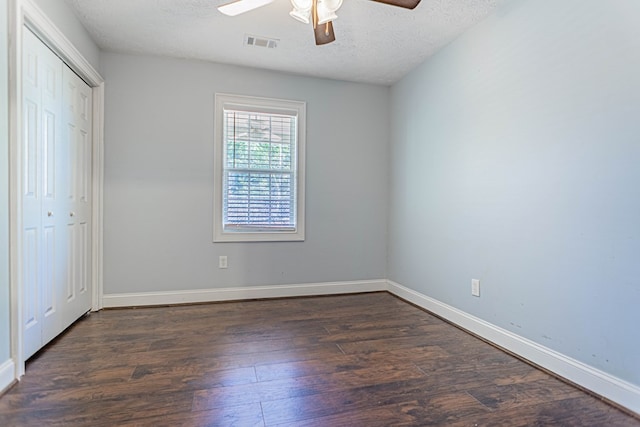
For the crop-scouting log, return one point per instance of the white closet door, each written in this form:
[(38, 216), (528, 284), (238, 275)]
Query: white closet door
[(42, 95), (56, 183), (31, 194), (77, 131)]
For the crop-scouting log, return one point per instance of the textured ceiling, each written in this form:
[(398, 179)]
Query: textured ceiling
[(375, 43)]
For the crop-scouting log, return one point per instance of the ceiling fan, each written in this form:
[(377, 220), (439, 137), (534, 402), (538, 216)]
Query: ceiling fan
[(321, 13)]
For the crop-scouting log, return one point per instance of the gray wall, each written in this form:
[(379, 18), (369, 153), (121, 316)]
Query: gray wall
[(515, 159), (159, 179), (5, 340)]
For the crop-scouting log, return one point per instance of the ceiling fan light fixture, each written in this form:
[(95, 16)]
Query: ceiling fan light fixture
[(325, 15), (301, 10), (301, 15), (327, 10), (242, 6)]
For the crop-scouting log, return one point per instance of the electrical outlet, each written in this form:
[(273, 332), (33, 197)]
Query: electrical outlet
[(475, 287), (222, 261)]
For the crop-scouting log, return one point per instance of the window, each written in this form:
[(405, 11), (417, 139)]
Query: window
[(259, 169)]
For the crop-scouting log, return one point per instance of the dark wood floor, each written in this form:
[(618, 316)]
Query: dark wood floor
[(358, 360)]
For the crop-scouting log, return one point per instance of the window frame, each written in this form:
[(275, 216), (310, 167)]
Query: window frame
[(265, 105)]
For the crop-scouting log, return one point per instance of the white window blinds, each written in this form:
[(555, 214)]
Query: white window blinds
[(259, 171)]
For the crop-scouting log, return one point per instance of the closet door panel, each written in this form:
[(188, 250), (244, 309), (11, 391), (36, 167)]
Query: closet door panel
[(77, 119), (51, 325), (32, 195), (51, 154), (31, 327)]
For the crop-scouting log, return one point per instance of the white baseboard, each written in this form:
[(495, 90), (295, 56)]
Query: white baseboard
[(7, 374), (601, 383), (243, 293)]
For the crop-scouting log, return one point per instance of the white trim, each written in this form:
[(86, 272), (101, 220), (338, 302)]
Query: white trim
[(601, 383), (7, 374), (97, 211), (15, 171), (27, 13), (241, 293)]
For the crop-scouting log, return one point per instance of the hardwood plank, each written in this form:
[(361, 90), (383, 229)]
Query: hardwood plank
[(437, 409), (508, 396), (374, 417), (297, 386), (97, 410), (390, 343), (243, 415), (342, 362), (574, 412)]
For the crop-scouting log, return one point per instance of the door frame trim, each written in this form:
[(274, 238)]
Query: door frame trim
[(25, 13)]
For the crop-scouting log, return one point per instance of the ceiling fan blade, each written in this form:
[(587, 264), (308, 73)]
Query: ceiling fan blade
[(241, 6), (324, 33), (407, 4)]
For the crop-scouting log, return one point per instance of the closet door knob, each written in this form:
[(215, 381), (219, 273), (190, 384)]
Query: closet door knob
[(72, 213), (49, 213)]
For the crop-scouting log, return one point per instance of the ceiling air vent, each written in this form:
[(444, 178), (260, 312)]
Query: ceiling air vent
[(259, 41)]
